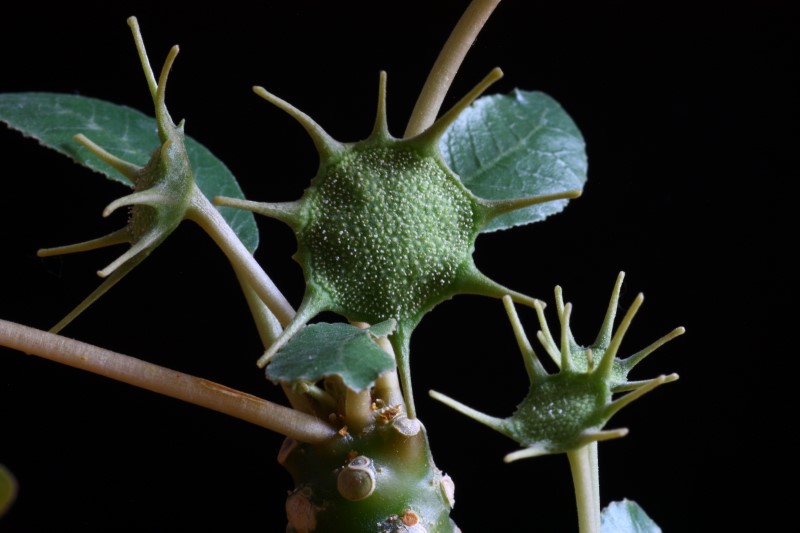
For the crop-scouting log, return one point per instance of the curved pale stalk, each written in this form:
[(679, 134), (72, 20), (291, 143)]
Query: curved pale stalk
[(447, 64), (586, 478), (192, 389), (207, 217)]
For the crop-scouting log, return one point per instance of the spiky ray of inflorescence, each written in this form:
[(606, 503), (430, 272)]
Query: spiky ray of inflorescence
[(386, 229), (163, 189), (569, 409)]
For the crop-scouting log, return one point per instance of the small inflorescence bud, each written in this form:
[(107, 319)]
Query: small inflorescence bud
[(567, 410), (162, 190)]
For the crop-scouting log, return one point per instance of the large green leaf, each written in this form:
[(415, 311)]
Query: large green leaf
[(323, 350), (626, 517), (53, 119), (515, 146)]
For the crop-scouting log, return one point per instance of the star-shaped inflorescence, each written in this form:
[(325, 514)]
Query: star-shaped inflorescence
[(569, 409), (386, 229), (162, 190)]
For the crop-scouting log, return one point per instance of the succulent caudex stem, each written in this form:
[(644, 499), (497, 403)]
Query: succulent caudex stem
[(383, 479), (164, 193), (386, 230), (567, 410)]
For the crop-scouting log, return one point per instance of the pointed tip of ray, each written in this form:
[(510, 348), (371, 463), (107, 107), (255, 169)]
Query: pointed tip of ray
[(109, 282), (630, 362), (606, 363), (133, 23), (131, 256), (381, 127), (309, 308), (496, 208), (117, 237), (129, 170), (606, 328), (647, 386), (437, 129), (284, 211), (526, 453), (325, 144), (493, 422), (598, 436), (145, 197)]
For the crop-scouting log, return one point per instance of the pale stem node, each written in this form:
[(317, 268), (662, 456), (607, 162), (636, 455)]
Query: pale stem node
[(387, 386), (358, 409)]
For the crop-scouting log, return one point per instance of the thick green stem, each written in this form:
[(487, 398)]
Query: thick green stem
[(447, 64), (299, 426), (586, 478)]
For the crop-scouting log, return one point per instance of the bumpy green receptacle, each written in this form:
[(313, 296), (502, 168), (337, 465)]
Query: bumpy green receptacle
[(371, 246), (382, 481)]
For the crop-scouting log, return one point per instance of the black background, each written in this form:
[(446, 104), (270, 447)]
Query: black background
[(689, 117)]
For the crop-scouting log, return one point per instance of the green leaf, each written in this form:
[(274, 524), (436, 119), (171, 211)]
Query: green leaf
[(8, 489), (516, 146), (53, 119), (323, 350), (626, 517)]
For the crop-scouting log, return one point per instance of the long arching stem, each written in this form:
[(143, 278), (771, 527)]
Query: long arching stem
[(192, 389), (206, 216), (447, 64)]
